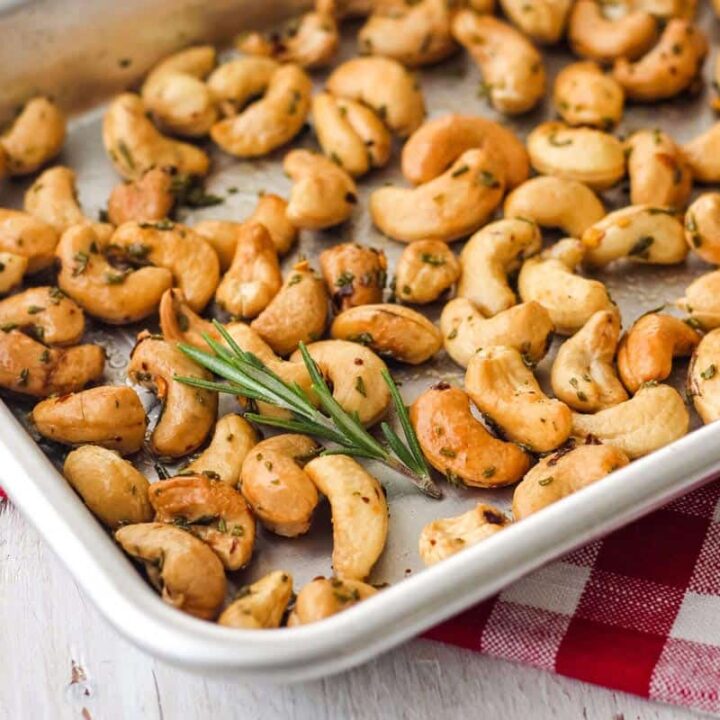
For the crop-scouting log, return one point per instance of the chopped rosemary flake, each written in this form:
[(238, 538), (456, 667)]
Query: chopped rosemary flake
[(642, 246), (81, 261), (546, 481), (709, 372), (345, 278), (360, 386), (35, 309), (431, 259), (459, 171)]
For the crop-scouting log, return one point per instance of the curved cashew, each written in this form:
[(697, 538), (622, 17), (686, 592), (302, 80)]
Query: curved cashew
[(277, 487), (52, 198), (489, 257), (583, 374), (641, 233), (114, 491), (359, 513), (702, 300), (443, 538), (541, 20), (188, 413), (235, 83), (564, 473), (260, 605), (703, 378), (654, 417), (12, 271), (110, 416), (425, 270), (147, 200), (552, 201), (321, 598), (447, 208), (703, 155), (135, 145), (512, 68), (270, 122), (350, 134), (271, 211), (585, 154), (702, 227), (355, 274), (585, 95), (322, 195), (188, 573), (659, 174), (526, 327), (457, 444), (393, 330), (383, 85), (669, 68), (647, 350), (25, 235)]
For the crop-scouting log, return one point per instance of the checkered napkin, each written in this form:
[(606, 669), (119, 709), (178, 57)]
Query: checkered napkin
[(638, 611)]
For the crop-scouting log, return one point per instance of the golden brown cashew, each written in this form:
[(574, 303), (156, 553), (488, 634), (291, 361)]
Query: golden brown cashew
[(36, 136), (321, 598), (443, 538), (659, 174), (135, 145), (277, 488), (541, 20), (526, 327), (669, 68), (12, 271), (188, 573), (383, 85), (114, 491), (570, 299), (640, 233), (425, 270), (585, 154), (438, 143), (647, 350), (237, 82), (555, 202), (457, 444), (24, 235), (702, 227), (512, 68), (355, 274), (703, 154), (703, 377), (350, 134), (585, 95), (447, 208), (583, 374), (393, 330), (188, 413), (564, 473), (260, 605), (271, 211), (52, 198), (212, 511), (148, 199), (30, 368), (702, 300), (653, 418), (505, 390), (594, 36), (110, 416), (270, 122), (359, 513), (489, 257), (322, 195)]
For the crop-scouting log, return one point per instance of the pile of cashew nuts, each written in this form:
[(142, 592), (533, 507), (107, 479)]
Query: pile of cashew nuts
[(504, 296)]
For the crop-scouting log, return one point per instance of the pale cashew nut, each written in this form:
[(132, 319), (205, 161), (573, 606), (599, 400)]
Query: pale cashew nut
[(322, 598), (583, 374), (541, 20), (148, 199), (25, 235), (355, 274), (563, 474), (702, 227), (425, 270), (489, 257), (114, 491), (703, 377), (188, 573), (651, 419), (443, 538), (110, 416), (703, 154), (52, 198), (260, 605), (235, 83), (512, 68), (457, 444), (12, 271), (702, 300), (359, 513)]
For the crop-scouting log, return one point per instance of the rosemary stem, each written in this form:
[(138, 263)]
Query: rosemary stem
[(424, 483)]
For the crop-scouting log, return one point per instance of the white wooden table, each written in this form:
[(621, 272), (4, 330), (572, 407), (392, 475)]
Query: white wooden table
[(59, 659)]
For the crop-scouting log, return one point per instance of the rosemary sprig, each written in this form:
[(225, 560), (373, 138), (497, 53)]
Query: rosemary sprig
[(248, 376)]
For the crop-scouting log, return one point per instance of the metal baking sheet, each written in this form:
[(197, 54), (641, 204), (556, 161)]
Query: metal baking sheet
[(417, 597)]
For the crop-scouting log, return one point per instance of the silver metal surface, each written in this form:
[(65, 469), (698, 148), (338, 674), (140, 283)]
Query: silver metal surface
[(416, 600)]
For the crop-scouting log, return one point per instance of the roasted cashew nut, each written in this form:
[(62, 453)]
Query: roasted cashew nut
[(188, 413), (703, 378), (114, 491), (541, 20), (355, 274), (489, 257), (24, 235), (585, 95), (526, 327), (146, 200), (321, 598), (135, 145), (564, 473), (110, 416), (703, 155), (457, 444), (260, 605), (702, 300), (647, 350), (188, 573), (653, 418), (443, 538), (12, 270), (359, 513), (702, 227), (583, 374), (425, 270)]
